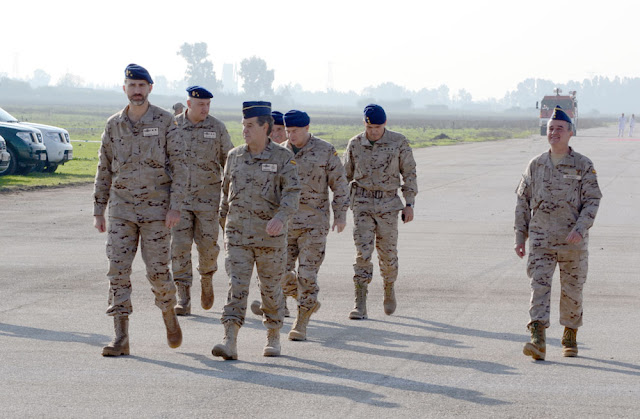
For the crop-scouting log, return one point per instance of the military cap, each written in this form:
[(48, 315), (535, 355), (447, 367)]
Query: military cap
[(560, 115), (177, 106), (137, 72), (198, 92), (374, 114), (295, 118), (278, 118), (255, 108)]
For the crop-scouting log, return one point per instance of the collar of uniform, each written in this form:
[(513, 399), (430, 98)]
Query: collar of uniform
[(147, 118), (263, 155), (287, 144), (365, 141), (568, 160)]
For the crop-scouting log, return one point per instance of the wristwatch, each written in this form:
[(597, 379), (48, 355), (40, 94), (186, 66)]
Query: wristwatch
[(410, 205)]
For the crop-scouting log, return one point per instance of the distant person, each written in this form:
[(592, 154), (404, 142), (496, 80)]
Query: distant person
[(141, 177), (178, 108), (557, 201), (260, 193), (632, 124), (378, 161), (622, 121), (319, 170), (206, 144), (278, 134)]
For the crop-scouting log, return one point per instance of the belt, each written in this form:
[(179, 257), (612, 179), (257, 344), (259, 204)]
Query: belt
[(366, 193)]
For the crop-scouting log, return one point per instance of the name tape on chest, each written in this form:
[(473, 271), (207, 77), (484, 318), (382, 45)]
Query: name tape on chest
[(574, 177), (269, 167), (150, 132), (210, 135)]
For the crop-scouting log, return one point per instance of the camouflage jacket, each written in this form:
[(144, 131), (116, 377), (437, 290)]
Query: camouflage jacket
[(141, 171), (320, 168), (374, 171), (207, 144), (256, 189), (553, 201)]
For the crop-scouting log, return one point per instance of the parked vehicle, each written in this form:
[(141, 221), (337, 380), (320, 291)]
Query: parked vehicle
[(58, 143), (569, 104), (5, 158), (24, 145)]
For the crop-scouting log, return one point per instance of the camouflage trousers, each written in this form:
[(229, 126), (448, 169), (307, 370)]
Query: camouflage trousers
[(573, 274), (122, 245), (307, 246), (379, 230), (202, 228), (269, 262)]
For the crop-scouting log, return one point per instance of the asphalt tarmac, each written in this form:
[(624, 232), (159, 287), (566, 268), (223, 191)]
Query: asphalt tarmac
[(452, 349)]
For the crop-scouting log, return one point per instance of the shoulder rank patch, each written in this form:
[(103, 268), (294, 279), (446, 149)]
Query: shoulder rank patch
[(293, 162)]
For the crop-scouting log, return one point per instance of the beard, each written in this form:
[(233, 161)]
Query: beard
[(138, 100)]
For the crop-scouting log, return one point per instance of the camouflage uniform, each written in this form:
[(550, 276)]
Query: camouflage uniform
[(206, 146), (552, 202), (256, 189), (319, 168), (374, 173), (141, 175)]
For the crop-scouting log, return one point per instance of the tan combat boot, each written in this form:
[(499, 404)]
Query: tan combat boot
[(120, 344), (174, 333), (389, 299), (359, 312), (569, 342), (228, 349), (183, 308), (299, 330), (206, 297), (537, 348), (272, 348), (286, 309)]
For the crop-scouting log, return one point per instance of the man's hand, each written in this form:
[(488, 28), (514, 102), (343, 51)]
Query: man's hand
[(574, 237), (274, 227), (100, 223), (172, 218), (407, 215), (339, 224), (519, 248)]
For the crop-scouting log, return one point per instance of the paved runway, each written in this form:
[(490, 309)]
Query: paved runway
[(453, 347)]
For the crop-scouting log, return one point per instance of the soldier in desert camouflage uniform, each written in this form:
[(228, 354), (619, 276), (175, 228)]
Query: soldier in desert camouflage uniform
[(374, 161), (558, 198), (260, 193), (141, 177), (207, 143), (319, 168)]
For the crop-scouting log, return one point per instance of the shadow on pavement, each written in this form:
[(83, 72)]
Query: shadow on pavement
[(26, 332)]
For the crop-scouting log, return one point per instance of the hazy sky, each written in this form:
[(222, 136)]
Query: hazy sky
[(486, 47)]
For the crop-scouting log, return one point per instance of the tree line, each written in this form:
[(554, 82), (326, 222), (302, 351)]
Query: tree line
[(595, 96)]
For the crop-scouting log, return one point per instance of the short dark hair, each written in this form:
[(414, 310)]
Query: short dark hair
[(266, 119)]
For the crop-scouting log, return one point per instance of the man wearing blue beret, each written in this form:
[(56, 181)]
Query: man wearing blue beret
[(207, 143), (141, 178), (278, 134), (319, 169), (378, 161), (260, 193), (557, 201)]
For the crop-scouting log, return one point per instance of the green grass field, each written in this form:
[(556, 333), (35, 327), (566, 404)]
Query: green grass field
[(85, 126)]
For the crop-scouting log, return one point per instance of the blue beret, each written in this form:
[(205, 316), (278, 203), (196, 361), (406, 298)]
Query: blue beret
[(277, 118), (136, 72), (255, 108), (198, 92), (374, 114), (560, 115), (296, 118)]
